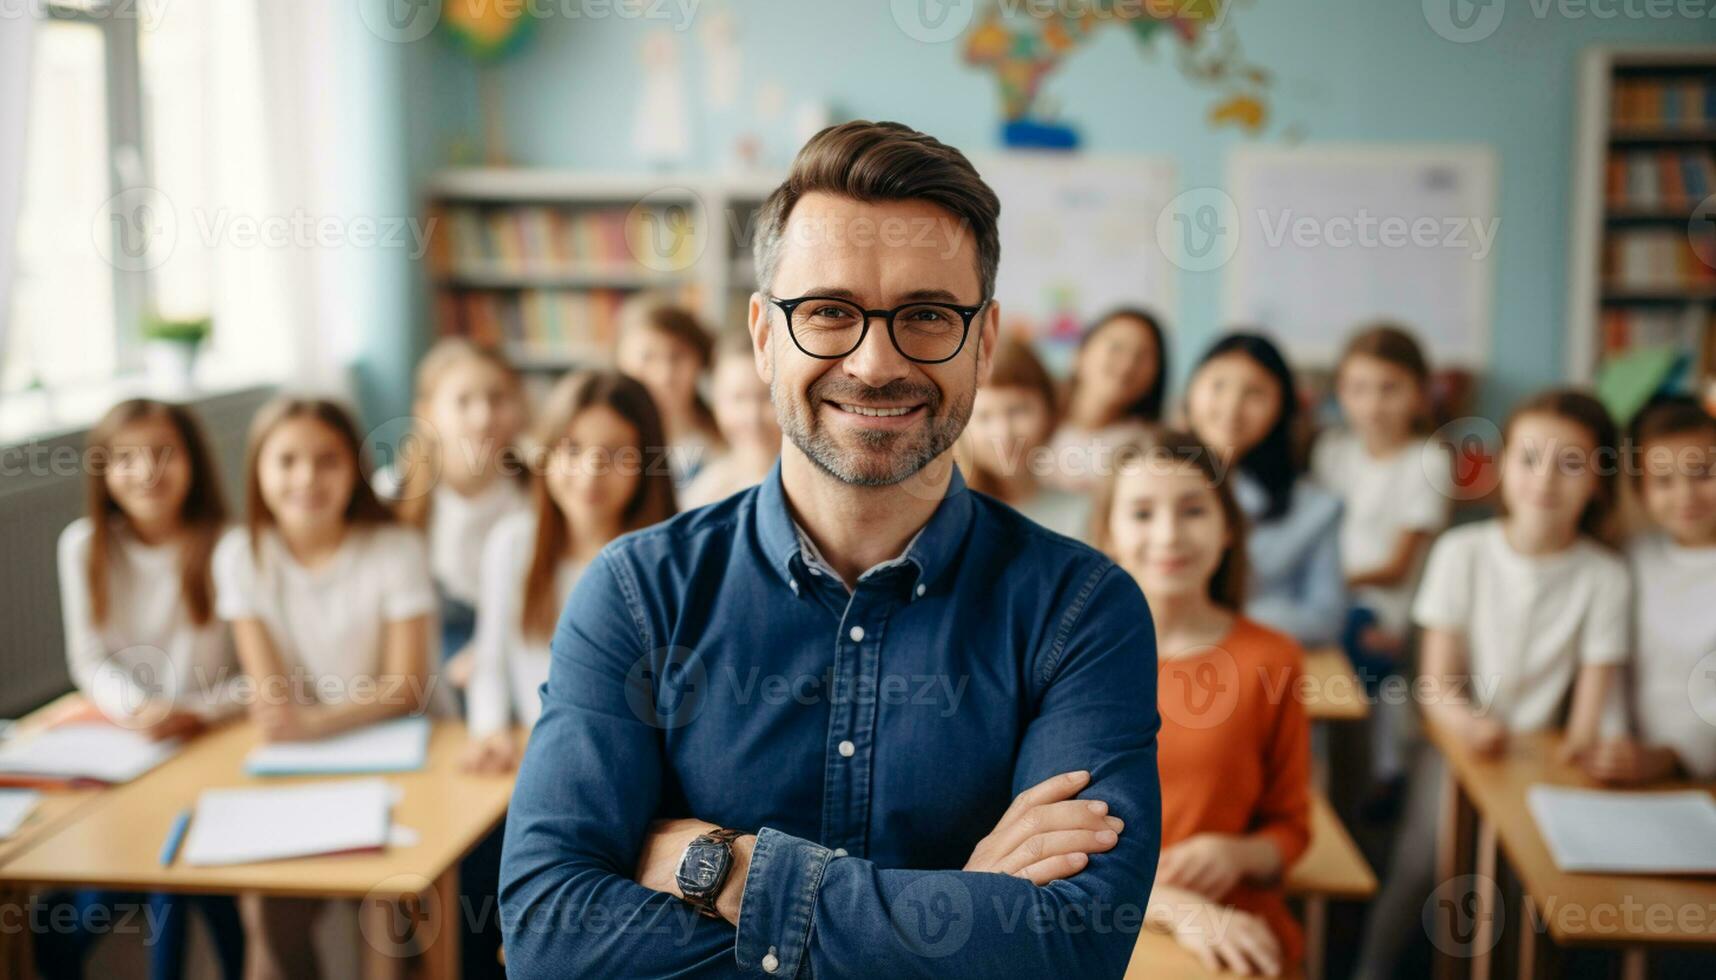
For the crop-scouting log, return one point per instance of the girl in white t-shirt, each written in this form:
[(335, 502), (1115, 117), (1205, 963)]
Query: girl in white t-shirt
[(331, 606), (667, 349), (1394, 485), (1012, 418), (458, 473), (1673, 680), (746, 415), (1525, 621), (1117, 388), (143, 642), (585, 496)]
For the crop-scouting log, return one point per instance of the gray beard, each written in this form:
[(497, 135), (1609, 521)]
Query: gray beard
[(902, 453)]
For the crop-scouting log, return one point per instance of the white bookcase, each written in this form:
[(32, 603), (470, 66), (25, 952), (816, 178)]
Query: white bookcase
[(1642, 270), (538, 261)]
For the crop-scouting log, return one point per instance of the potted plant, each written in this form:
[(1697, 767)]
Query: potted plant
[(170, 348)]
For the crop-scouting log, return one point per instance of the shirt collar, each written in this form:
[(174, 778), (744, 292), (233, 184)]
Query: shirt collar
[(932, 549)]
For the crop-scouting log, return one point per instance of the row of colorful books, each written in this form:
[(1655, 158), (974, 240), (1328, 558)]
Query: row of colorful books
[(1660, 257), (1666, 179), (545, 238), (1665, 102)]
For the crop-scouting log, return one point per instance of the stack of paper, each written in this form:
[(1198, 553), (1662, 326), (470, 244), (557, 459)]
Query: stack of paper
[(1609, 832), (242, 826), (15, 807), (100, 752), (400, 745)]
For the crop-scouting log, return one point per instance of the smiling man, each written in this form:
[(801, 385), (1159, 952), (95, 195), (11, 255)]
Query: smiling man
[(859, 720)]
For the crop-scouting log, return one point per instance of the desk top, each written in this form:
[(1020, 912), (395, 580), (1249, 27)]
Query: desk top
[(115, 840), (1333, 866), (58, 805), (1158, 957), (1589, 909), (1332, 691)]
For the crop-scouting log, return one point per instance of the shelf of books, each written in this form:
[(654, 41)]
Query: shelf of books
[(1644, 212), (539, 263)]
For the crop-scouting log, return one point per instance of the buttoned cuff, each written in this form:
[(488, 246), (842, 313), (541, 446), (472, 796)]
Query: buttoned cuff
[(778, 903)]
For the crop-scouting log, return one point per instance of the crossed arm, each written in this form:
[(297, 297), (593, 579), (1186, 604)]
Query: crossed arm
[(571, 904)]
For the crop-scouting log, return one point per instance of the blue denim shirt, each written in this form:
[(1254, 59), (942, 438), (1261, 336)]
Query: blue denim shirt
[(709, 667)]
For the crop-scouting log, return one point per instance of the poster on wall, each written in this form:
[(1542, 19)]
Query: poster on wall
[(1078, 238), (1331, 238)]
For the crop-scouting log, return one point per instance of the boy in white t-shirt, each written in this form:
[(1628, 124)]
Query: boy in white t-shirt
[(1673, 683)]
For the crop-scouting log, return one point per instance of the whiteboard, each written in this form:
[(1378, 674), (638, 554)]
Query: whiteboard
[(1078, 239), (1333, 237)]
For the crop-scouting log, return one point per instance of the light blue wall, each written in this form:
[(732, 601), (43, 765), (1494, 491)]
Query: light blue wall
[(1345, 70)]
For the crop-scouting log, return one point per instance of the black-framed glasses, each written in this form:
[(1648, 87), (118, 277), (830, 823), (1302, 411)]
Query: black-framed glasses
[(830, 328)]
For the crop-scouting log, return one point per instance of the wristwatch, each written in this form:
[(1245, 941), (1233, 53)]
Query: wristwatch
[(703, 868)]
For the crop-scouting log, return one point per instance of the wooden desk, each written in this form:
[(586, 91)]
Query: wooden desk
[(1331, 690), (116, 842), (1613, 911), (1332, 867)]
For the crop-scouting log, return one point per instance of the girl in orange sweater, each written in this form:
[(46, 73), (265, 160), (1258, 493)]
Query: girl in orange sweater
[(1234, 749)]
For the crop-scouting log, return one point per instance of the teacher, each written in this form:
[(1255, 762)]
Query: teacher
[(858, 720)]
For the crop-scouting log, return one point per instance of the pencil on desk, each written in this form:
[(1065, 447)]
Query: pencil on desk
[(175, 837)]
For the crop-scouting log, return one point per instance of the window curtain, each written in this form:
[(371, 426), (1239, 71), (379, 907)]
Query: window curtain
[(15, 34)]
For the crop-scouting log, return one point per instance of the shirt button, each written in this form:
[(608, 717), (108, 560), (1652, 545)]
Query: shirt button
[(771, 962), (794, 583), (840, 852), (847, 748), (857, 634), (920, 590), (815, 571)]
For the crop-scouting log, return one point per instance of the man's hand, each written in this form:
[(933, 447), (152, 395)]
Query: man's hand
[(1208, 864), (665, 844), (1046, 835)]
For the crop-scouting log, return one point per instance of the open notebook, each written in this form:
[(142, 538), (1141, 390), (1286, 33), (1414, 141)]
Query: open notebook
[(85, 752), (244, 826), (1611, 832), (399, 745)]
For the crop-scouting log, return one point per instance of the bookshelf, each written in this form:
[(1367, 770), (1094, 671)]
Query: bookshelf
[(1643, 257), (539, 262)]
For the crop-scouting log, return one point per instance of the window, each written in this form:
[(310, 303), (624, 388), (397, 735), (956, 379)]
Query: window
[(115, 136)]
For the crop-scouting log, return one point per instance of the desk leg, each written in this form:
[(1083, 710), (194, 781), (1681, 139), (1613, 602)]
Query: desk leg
[(1635, 963), (441, 959), (1454, 834), (16, 956), (1536, 952), (1484, 939), (1316, 935)]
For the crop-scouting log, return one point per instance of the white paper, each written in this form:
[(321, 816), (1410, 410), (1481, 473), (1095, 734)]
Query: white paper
[(15, 807), (1604, 831), (399, 745), (243, 826), (85, 751)]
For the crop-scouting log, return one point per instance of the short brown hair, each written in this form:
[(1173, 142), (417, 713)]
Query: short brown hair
[(1390, 343), (1588, 413), (1227, 585), (882, 161), (1665, 416)]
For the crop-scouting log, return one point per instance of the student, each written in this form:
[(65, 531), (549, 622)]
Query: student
[(1116, 389), (747, 421), (1521, 614), (1012, 418), (1674, 625), (1241, 403), (142, 640), (331, 606), (1235, 768), (458, 474), (586, 494), (665, 347), (1394, 487)]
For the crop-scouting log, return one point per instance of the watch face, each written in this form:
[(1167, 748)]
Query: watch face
[(702, 868)]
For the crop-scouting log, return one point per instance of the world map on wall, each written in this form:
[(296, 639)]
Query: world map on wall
[(1024, 42)]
